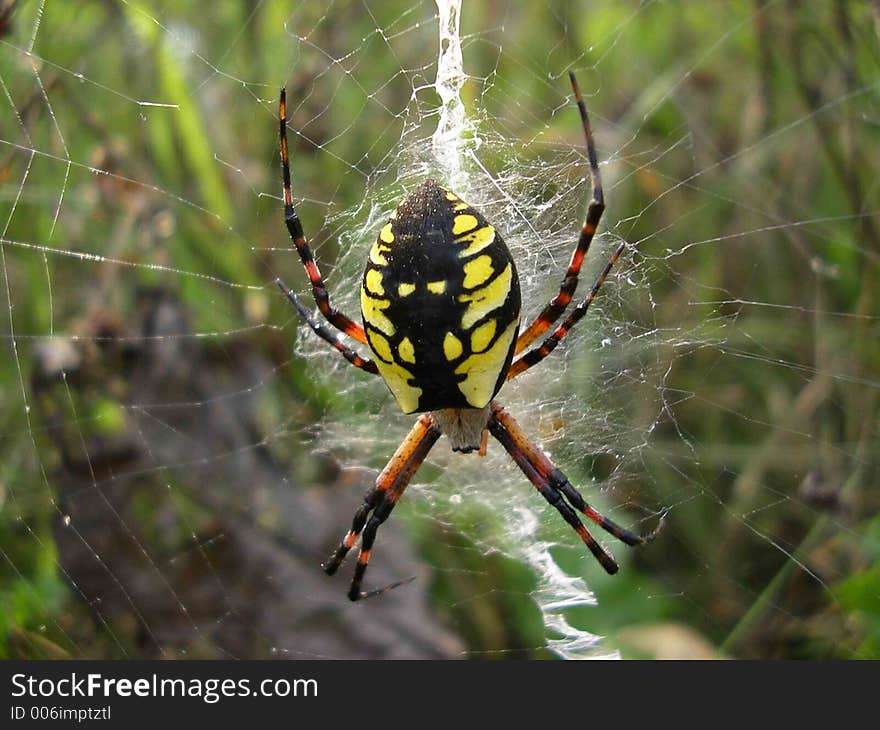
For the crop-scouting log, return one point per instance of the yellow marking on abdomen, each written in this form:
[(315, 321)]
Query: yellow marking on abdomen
[(397, 379), (451, 195), (452, 347), (386, 234), (481, 370), (406, 289), (437, 287), (482, 336), (372, 311), (477, 240), (462, 223), (373, 282), (484, 300), (477, 271), (380, 346), (406, 350), (376, 254)]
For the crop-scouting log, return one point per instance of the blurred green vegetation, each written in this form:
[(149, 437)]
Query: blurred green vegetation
[(752, 129)]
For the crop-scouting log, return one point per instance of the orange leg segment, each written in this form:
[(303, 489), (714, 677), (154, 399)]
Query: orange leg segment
[(379, 502)]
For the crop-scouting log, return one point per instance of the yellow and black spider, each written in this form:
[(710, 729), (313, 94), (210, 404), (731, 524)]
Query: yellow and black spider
[(440, 302)]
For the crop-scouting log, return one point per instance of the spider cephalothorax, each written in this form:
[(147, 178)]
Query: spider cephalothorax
[(440, 302)]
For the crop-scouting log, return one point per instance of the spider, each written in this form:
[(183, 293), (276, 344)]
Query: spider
[(440, 304)]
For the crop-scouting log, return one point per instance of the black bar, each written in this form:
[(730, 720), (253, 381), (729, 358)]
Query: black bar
[(387, 694)]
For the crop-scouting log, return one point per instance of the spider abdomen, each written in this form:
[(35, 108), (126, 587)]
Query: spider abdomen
[(440, 301)]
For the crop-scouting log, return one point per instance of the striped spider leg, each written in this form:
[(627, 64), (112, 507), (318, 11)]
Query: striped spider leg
[(295, 229), (360, 362), (554, 310), (380, 500), (533, 357), (560, 302), (556, 489)]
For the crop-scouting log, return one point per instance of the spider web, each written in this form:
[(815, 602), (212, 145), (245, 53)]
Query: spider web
[(180, 453)]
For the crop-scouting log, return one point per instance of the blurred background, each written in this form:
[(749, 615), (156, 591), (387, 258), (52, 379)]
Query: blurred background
[(179, 455)]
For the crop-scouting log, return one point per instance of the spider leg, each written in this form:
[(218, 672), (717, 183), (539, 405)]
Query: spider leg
[(555, 487), (533, 357), (364, 363), (380, 501), (558, 304), (295, 229)]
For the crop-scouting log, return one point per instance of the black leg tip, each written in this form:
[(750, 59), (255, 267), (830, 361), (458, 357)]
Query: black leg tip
[(329, 568), (381, 591)]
